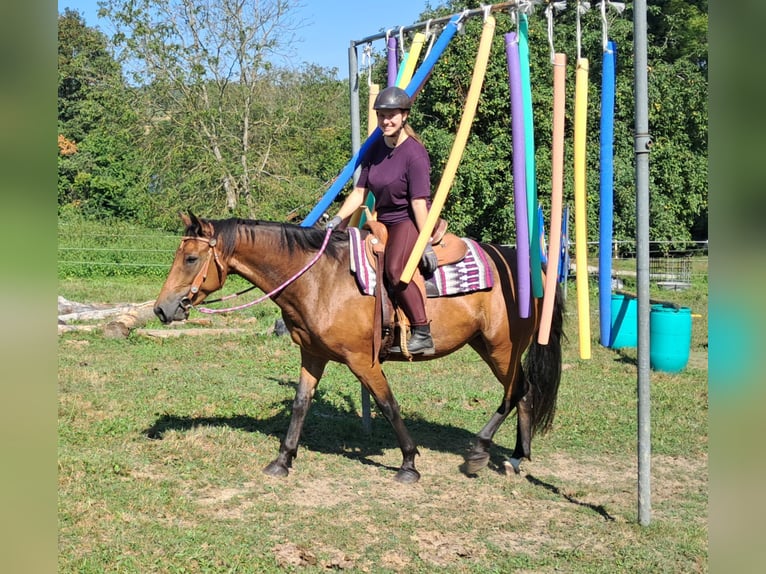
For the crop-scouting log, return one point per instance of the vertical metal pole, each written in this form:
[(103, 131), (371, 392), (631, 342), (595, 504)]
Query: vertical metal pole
[(353, 86), (356, 143), (642, 144)]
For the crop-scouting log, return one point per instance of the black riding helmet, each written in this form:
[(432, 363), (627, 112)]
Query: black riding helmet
[(392, 98)]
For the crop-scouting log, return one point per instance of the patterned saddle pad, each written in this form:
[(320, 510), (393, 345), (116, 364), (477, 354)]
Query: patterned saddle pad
[(473, 273)]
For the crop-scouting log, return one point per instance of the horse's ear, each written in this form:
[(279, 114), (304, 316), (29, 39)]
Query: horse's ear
[(194, 226), (186, 219)]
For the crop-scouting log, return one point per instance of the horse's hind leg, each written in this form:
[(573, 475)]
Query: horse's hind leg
[(523, 448), (478, 457), (311, 371)]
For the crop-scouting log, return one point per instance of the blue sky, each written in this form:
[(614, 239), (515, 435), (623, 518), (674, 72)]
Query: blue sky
[(330, 25)]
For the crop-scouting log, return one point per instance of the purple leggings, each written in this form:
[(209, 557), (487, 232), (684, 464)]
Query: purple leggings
[(401, 239)]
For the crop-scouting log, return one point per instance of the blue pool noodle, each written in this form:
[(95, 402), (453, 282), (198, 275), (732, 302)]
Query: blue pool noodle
[(606, 208)]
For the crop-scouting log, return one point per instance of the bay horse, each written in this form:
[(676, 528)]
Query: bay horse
[(331, 320)]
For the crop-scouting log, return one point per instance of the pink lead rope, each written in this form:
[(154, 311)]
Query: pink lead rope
[(274, 291)]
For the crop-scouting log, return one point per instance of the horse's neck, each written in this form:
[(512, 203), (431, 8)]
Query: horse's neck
[(269, 265)]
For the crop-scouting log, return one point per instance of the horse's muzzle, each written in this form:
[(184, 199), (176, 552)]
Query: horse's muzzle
[(168, 313)]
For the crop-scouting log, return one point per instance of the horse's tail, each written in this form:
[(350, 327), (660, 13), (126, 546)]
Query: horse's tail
[(543, 369)]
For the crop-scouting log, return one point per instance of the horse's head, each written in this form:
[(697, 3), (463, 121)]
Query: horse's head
[(196, 272)]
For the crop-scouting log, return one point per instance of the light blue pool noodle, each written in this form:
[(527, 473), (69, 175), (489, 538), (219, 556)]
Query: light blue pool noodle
[(529, 158)]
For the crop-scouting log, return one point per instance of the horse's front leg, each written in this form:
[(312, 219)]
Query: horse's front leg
[(373, 378), (311, 371)]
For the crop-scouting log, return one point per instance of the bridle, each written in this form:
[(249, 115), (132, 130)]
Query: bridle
[(199, 279)]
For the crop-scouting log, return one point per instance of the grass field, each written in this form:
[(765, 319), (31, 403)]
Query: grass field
[(162, 442)]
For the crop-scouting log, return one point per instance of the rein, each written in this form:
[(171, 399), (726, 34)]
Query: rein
[(212, 243)]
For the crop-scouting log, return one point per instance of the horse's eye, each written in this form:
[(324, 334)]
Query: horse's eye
[(190, 259)]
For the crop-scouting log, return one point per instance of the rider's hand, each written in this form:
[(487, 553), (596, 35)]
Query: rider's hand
[(428, 262), (334, 222)]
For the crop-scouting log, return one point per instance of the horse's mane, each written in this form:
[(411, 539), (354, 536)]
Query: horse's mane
[(291, 237)]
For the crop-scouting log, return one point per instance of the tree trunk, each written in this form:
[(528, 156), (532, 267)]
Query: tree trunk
[(120, 327)]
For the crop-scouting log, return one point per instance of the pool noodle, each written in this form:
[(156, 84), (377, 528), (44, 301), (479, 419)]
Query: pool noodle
[(581, 224), (411, 59), (606, 194), (400, 73), (520, 205), (557, 193), (529, 159), (461, 138), (359, 217), (392, 60)]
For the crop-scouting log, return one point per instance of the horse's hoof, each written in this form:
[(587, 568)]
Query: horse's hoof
[(475, 462), (407, 476), (276, 469), (512, 464)]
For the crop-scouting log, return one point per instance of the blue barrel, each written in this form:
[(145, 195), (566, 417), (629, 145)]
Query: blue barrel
[(670, 329), (624, 332)]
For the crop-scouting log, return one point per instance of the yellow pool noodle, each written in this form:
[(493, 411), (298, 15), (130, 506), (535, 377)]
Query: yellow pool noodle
[(372, 122), (581, 227), (412, 59), (472, 102)]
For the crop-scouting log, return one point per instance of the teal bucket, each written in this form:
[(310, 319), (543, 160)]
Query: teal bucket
[(670, 330), (624, 322)]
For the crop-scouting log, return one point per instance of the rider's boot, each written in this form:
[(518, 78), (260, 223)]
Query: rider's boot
[(421, 342)]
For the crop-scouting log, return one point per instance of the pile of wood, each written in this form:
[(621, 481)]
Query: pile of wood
[(115, 321), (118, 321)]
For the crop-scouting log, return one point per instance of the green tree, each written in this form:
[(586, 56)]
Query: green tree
[(96, 163), (86, 72), (215, 115), (480, 201)]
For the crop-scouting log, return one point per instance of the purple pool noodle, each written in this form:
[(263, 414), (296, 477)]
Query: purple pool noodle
[(393, 61), (519, 173)]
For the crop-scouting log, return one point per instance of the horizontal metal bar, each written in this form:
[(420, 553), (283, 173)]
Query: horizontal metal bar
[(434, 21)]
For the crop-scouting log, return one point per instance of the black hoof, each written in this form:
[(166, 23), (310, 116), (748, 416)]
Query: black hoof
[(475, 462), (407, 476), (276, 469)]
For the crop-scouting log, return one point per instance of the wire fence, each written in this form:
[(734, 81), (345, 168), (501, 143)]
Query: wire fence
[(82, 253), (85, 254)]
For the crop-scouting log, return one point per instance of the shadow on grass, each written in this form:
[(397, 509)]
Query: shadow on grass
[(626, 357), (337, 429), (598, 508), (330, 429)]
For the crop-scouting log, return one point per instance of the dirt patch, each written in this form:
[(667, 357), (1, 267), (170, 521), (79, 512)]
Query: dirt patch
[(591, 500), (444, 550), (290, 554)]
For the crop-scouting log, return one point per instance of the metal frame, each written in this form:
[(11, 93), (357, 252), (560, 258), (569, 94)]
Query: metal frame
[(642, 145)]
